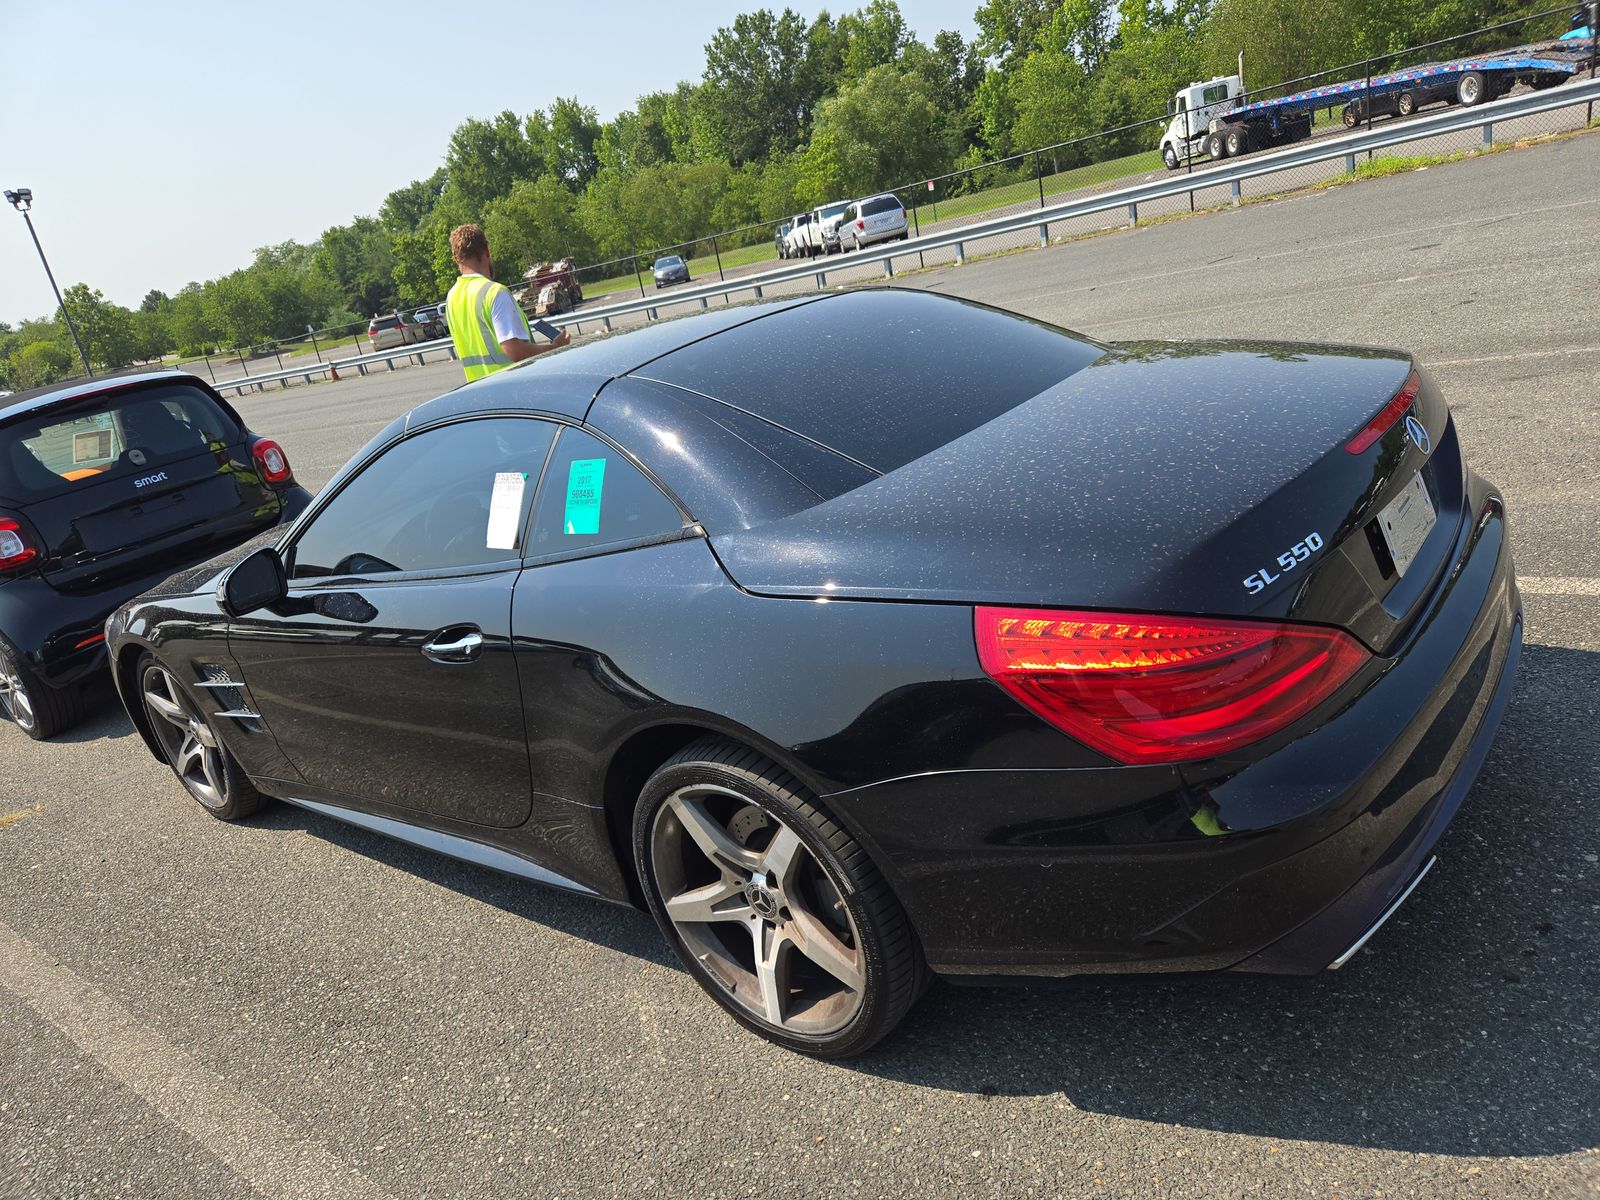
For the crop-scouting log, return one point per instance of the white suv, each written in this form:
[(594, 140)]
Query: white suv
[(797, 241), (880, 218)]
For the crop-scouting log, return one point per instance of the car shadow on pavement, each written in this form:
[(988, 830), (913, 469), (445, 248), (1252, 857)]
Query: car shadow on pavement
[(103, 717), (621, 928), (1468, 1026)]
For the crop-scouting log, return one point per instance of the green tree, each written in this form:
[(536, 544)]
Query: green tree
[(190, 322), (154, 301), (236, 309), (152, 335), (754, 94), (537, 222), (1009, 30), (360, 259), (106, 328), (37, 364), (873, 36), (570, 133), (1053, 102), (404, 208), (485, 158), (883, 130)]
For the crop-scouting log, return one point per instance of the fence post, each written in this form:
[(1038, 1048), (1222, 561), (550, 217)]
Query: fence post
[(606, 321), (888, 266), (637, 275), (822, 280), (1044, 233), (209, 371), (758, 291), (315, 349), (239, 350), (1488, 134), (1133, 215), (1038, 173), (961, 253), (1236, 193), (721, 278), (1350, 164)]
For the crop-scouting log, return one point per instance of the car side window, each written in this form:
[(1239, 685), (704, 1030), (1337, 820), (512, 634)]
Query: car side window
[(455, 496), (593, 496)]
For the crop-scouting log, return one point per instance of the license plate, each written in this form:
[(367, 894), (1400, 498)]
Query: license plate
[(1406, 522)]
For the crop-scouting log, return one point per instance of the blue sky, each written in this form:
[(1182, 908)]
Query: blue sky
[(165, 141)]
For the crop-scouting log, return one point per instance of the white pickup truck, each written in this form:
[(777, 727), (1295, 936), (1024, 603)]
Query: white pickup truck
[(817, 232)]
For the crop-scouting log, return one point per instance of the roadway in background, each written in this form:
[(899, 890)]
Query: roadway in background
[(290, 1007)]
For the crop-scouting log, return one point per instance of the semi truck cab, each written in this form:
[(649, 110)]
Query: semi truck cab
[(1192, 109)]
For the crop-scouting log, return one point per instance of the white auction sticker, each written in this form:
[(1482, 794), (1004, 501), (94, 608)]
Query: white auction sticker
[(505, 509)]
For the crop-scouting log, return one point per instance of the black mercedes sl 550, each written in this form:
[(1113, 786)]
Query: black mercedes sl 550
[(968, 647)]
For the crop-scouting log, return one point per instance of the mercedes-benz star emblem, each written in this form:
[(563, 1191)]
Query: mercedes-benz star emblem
[(1418, 434)]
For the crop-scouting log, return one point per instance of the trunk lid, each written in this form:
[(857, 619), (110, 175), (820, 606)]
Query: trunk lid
[(116, 485), (1161, 478)]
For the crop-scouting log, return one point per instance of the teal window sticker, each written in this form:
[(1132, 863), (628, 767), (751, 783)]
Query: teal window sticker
[(586, 480)]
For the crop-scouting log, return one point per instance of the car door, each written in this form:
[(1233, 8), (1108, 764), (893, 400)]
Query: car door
[(387, 676), (597, 526)]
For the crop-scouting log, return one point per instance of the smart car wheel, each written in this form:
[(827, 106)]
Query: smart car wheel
[(773, 907), (191, 746), (35, 707)]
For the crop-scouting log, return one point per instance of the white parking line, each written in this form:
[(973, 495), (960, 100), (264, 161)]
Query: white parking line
[(1559, 585), (251, 1139)]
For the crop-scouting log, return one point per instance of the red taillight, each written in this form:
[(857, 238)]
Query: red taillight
[(271, 461), (1144, 689), (1387, 416), (861, 224), (17, 548)]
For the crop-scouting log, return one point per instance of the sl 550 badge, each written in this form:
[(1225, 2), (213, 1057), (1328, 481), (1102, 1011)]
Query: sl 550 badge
[(1287, 561)]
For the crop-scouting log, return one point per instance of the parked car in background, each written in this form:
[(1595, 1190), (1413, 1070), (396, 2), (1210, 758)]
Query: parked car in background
[(106, 489), (879, 218), (780, 240), (825, 227), (387, 333), (670, 268), (798, 238), (431, 322)]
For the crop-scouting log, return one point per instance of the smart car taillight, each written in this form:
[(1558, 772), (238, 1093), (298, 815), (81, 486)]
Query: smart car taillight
[(1387, 415), (271, 461), (17, 546), (1148, 689)]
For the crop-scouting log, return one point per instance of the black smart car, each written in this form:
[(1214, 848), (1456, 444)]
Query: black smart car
[(106, 488), (973, 646)]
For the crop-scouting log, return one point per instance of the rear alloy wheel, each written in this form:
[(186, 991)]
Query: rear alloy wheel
[(1470, 88), (1170, 157), (191, 746), (1215, 149), (1407, 104), (1236, 142), (1350, 117), (35, 707), (773, 908)]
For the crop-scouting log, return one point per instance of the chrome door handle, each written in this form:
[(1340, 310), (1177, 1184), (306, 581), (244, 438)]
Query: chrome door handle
[(463, 649)]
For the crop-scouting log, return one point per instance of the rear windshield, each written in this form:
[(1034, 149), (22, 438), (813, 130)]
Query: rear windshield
[(879, 204), (833, 210), (104, 437), (385, 323), (905, 372)]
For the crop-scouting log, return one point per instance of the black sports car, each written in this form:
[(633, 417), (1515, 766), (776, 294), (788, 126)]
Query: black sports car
[(972, 647), (106, 488)]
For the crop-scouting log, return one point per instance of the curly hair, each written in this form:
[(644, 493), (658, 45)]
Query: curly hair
[(468, 242)]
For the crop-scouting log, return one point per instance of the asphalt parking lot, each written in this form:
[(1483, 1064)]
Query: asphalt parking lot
[(293, 1008)]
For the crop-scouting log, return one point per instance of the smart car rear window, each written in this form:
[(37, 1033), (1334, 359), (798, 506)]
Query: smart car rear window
[(57, 451)]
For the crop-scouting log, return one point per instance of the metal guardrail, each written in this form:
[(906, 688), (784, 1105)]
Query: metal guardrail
[(1346, 146), (331, 369)]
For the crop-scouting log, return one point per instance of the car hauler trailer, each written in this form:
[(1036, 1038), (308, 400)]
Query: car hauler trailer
[(1208, 119)]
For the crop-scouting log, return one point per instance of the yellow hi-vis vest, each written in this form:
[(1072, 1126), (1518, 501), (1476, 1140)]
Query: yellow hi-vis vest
[(468, 311)]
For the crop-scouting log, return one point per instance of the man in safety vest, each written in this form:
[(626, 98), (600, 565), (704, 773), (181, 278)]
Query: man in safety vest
[(487, 325)]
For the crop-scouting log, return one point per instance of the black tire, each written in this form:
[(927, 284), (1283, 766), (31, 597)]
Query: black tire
[(36, 708), (846, 888), (1349, 117), (1216, 151), (1471, 89), (226, 791), (1170, 157), (1236, 141), (1406, 104)]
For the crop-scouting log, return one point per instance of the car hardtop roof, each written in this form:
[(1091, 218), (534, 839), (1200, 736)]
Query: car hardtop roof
[(41, 399)]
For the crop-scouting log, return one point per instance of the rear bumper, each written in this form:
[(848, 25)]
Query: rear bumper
[(1275, 864), (61, 633)]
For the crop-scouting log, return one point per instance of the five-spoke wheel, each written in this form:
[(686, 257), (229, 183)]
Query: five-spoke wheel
[(191, 746), (771, 905), (35, 707)]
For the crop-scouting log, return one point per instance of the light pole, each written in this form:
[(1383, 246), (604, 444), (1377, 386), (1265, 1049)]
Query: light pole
[(22, 201)]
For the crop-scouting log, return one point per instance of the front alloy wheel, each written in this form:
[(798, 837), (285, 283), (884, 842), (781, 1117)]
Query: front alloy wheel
[(191, 747), (773, 908)]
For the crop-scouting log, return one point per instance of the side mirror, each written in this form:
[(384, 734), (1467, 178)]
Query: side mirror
[(256, 581)]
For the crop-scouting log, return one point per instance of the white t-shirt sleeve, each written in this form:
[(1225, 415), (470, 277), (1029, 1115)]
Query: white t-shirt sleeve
[(507, 318)]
